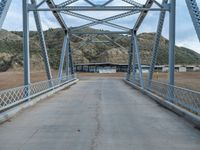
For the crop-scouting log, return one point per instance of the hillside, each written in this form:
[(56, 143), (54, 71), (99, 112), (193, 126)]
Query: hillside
[(85, 51)]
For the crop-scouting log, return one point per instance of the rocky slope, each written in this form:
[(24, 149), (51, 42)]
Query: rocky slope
[(85, 49)]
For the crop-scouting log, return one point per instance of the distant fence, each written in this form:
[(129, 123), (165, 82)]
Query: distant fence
[(15, 96), (182, 97)]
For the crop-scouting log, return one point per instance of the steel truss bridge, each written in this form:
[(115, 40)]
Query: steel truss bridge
[(174, 97)]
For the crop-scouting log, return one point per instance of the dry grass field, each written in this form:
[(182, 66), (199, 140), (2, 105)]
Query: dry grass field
[(12, 79)]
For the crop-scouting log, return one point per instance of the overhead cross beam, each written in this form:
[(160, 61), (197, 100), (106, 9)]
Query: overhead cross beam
[(143, 14), (106, 3), (100, 32), (98, 8), (41, 3), (59, 18), (134, 3), (63, 4), (115, 43), (89, 2), (96, 20)]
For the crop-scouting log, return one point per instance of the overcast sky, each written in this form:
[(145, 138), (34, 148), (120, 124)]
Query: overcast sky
[(185, 33)]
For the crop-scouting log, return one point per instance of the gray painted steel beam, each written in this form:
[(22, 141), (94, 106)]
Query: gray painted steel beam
[(71, 64), (143, 14), (26, 50), (59, 18), (137, 53), (132, 2), (41, 3), (134, 58), (89, 2), (62, 56), (172, 26), (106, 19), (157, 43), (67, 58), (100, 32), (95, 21), (195, 15), (158, 4), (4, 6), (115, 43), (130, 60), (63, 4), (42, 42), (106, 3), (98, 8)]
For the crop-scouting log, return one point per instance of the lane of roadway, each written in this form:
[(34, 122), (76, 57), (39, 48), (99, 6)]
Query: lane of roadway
[(98, 114)]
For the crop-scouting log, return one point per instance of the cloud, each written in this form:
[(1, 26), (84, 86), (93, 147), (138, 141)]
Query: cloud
[(185, 33)]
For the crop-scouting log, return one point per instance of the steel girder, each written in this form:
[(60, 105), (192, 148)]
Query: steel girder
[(195, 15), (115, 43), (106, 3), (42, 42), (97, 8), (26, 50), (105, 20), (172, 32), (59, 18), (100, 32), (143, 14), (138, 59), (66, 3), (157, 43), (95, 21), (4, 6), (130, 60), (71, 63), (89, 2), (63, 56), (41, 3), (133, 3)]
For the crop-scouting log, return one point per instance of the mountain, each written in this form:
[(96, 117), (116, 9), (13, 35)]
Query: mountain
[(86, 48)]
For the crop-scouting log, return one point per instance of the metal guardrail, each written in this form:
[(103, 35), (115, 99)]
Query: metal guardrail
[(15, 96), (179, 96)]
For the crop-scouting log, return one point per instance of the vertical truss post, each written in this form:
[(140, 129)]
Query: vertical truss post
[(42, 42), (62, 56), (172, 25), (130, 59), (71, 63), (156, 44), (4, 6), (26, 50), (195, 15), (67, 71), (137, 53), (134, 62)]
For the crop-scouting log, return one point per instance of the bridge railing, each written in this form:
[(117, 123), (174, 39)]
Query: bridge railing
[(12, 97), (182, 97)]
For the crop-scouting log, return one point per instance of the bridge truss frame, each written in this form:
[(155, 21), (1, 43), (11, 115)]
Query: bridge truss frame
[(134, 58)]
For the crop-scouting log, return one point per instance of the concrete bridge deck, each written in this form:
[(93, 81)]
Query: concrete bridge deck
[(98, 114)]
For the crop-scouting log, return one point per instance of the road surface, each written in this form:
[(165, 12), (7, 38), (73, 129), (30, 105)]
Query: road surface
[(98, 114)]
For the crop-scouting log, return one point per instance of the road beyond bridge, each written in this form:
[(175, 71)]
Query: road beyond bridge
[(98, 114)]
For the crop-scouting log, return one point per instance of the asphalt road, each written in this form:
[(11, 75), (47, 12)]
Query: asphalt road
[(98, 114)]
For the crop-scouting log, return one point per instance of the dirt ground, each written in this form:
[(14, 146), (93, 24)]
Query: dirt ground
[(11, 79)]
